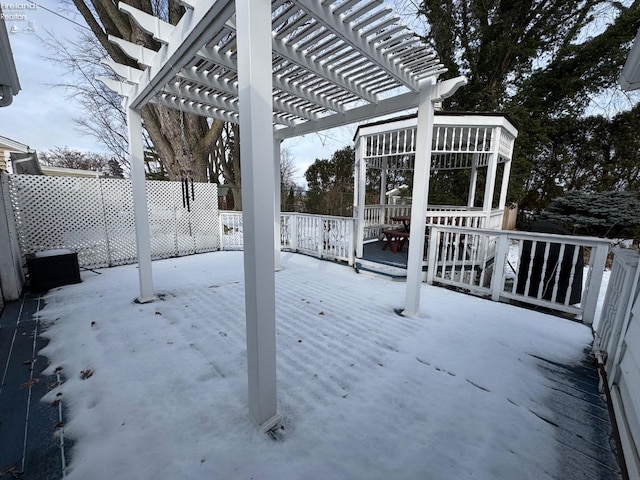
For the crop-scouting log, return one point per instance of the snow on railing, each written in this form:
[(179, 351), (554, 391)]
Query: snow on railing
[(317, 235), (559, 272)]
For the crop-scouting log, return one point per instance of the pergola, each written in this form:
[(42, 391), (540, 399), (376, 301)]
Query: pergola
[(332, 63)]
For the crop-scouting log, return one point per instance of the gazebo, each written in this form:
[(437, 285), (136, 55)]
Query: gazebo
[(332, 63), (480, 144), (472, 142)]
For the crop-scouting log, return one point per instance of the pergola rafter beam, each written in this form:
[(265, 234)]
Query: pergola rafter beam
[(231, 88), (218, 102), (213, 56), (193, 31), (320, 70), (129, 74), (325, 15), (121, 88), (204, 111), (144, 56), (159, 29)]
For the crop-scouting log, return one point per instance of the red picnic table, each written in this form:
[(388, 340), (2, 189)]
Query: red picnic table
[(396, 238)]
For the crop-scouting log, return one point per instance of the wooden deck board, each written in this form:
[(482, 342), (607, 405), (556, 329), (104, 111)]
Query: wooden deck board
[(580, 416), (30, 448), (572, 405)]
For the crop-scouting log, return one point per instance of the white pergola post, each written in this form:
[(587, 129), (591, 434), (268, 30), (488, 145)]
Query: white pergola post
[(429, 92), (360, 181), (278, 204), (254, 39), (420, 194), (140, 208)]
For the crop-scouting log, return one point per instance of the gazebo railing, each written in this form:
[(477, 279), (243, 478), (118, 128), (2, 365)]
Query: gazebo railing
[(559, 272), (378, 217)]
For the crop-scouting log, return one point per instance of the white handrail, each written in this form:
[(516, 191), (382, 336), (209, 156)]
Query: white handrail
[(322, 236), (546, 273), (469, 258)]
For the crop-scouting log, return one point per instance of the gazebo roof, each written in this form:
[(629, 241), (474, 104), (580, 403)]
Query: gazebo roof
[(460, 140), (334, 62)]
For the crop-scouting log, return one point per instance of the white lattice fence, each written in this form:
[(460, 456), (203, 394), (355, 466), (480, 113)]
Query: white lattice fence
[(60, 212), (118, 212), (94, 217)]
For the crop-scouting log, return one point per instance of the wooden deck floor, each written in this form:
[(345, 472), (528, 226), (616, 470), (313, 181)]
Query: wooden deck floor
[(30, 443), (373, 252), (579, 413), (32, 448), (573, 405)]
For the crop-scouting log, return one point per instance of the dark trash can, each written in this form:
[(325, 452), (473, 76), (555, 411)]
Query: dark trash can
[(535, 261)]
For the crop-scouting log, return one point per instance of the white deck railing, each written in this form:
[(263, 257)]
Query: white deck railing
[(617, 346), (622, 290), (532, 268), (318, 235)]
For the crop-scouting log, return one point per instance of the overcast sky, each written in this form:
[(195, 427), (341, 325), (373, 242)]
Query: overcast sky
[(41, 116)]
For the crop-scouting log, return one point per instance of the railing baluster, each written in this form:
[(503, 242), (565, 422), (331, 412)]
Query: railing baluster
[(554, 294), (545, 262)]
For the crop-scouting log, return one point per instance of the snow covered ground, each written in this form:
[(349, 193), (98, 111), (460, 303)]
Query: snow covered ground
[(158, 391)]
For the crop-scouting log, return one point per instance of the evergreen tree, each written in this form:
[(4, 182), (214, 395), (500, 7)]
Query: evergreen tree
[(330, 184), (541, 62), (605, 214)]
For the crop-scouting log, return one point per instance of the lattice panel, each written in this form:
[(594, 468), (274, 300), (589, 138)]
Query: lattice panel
[(204, 217), (168, 221), (118, 213), (60, 212), (94, 217)]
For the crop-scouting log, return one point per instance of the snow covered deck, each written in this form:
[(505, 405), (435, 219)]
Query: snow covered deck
[(473, 388)]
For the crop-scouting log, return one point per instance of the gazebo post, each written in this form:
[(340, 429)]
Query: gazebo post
[(490, 182), (383, 186), (278, 204), (140, 208), (420, 194), (506, 172), (253, 20), (473, 183)]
